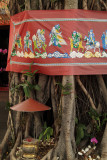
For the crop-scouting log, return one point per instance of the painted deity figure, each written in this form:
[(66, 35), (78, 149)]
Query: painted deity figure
[(39, 40), (104, 40), (27, 42), (56, 37), (90, 41), (18, 42), (76, 39)]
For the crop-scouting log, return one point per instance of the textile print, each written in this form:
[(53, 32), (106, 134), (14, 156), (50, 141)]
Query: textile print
[(59, 42)]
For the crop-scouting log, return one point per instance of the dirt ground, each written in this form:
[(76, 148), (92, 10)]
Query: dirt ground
[(3, 113)]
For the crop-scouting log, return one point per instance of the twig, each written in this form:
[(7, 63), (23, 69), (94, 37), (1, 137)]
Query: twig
[(86, 92)]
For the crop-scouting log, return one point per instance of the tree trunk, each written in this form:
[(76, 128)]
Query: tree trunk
[(104, 145), (104, 139), (68, 108), (64, 149)]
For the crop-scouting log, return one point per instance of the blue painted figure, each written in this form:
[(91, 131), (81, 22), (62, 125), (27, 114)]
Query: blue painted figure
[(90, 41), (91, 37), (104, 40), (27, 42)]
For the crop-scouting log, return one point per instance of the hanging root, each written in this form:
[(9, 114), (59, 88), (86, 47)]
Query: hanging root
[(17, 143), (86, 92), (4, 142), (48, 155), (27, 125)]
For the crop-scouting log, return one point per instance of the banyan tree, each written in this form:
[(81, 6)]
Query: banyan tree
[(76, 94)]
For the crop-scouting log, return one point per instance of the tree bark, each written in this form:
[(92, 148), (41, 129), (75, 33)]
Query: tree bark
[(102, 87), (71, 4), (27, 5), (104, 139), (54, 99), (4, 142), (85, 4), (12, 153), (104, 145), (67, 109)]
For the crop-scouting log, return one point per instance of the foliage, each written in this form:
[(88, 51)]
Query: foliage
[(80, 131), (66, 88), (8, 105), (28, 72), (26, 85), (98, 119), (27, 88), (46, 133)]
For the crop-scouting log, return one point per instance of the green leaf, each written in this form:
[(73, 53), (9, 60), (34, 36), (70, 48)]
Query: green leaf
[(66, 92), (68, 86), (60, 85), (25, 70), (82, 126), (76, 120), (8, 105), (36, 87), (46, 131), (41, 135), (80, 135), (31, 65), (51, 131), (26, 91), (28, 74), (45, 125), (48, 137), (45, 137), (35, 71)]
